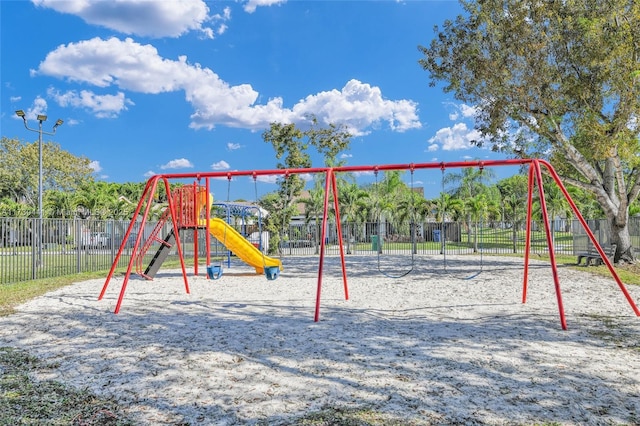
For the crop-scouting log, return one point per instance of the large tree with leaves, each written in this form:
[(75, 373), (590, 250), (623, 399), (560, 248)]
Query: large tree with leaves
[(62, 171), (292, 145), (555, 79)]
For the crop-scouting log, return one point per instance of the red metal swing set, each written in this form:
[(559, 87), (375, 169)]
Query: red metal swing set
[(185, 211)]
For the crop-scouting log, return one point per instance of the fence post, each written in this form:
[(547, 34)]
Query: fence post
[(34, 273), (78, 242)]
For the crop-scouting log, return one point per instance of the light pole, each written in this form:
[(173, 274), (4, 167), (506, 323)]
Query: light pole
[(20, 113)]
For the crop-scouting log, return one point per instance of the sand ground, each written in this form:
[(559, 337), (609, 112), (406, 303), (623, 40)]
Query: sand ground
[(451, 345)]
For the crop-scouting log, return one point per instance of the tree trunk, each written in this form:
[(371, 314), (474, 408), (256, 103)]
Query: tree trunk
[(612, 194), (621, 237)]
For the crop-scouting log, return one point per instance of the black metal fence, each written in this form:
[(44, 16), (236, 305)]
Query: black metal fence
[(70, 246)]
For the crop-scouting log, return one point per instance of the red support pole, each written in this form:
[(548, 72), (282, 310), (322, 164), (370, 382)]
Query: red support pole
[(138, 241), (194, 215), (592, 237), (552, 255), (322, 238), (207, 237), (174, 220), (527, 244), (145, 192), (339, 230)]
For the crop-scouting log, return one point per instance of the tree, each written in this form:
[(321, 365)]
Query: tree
[(385, 201), (291, 145), (467, 185), (62, 171), (514, 191), (479, 208), (557, 80), (352, 203), (314, 208), (59, 204), (275, 222), (448, 208)]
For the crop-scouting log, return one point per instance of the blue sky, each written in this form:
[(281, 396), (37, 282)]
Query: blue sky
[(150, 87)]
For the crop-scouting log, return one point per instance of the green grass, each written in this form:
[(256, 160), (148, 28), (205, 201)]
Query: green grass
[(629, 274), (27, 401), (332, 416), (15, 294)]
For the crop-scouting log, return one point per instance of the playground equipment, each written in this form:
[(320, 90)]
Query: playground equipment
[(411, 231), (443, 233), (237, 211), (186, 214), (191, 204)]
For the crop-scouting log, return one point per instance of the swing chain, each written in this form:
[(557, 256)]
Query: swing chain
[(411, 230)]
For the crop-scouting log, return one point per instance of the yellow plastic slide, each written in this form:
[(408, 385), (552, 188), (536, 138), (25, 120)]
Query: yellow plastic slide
[(242, 248)]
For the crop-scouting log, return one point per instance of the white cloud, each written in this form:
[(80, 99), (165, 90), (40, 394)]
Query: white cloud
[(149, 174), (463, 111), (180, 163), (468, 111), (454, 138), (358, 106), (131, 66), (95, 166), (102, 106), (220, 165), (140, 17), (233, 146), (460, 135), (251, 5), (267, 178), (345, 156), (38, 107), (277, 178)]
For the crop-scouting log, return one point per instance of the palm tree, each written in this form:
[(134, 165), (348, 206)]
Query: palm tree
[(480, 208), (447, 208), (352, 201), (412, 209), (314, 208), (389, 192), (514, 192), (467, 184), (59, 204)]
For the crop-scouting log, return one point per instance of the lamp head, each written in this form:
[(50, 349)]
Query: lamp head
[(58, 123), (20, 113), (42, 117)]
